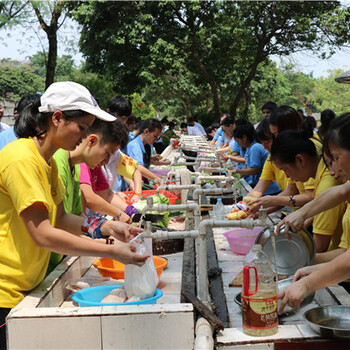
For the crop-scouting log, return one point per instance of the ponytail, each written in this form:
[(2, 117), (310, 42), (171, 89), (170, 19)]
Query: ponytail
[(31, 122)]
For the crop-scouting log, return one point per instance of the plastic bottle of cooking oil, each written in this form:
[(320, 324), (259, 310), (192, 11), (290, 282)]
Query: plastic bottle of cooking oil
[(259, 294)]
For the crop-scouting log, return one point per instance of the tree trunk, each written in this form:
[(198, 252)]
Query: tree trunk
[(52, 57), (244, 85)]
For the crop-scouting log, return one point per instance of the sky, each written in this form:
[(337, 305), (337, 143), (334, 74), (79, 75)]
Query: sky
[(18, 44)]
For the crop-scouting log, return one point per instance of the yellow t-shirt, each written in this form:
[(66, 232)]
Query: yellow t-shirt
[(25, 179), (345, 238), (328, 222), (271, 173)]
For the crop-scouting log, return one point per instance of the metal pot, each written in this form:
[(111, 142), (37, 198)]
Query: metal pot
[(330, 321)]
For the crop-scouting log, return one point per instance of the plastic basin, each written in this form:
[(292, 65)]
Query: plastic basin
[(92, 296), (111, 268), (242, 239)]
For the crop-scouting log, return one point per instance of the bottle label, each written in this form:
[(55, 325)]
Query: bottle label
[(259, 313)]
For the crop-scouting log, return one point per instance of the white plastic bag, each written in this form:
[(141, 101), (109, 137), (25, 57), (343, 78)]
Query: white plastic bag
[(141, 281)]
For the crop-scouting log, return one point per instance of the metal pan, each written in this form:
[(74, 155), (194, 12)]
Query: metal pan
[(291, 255), (330, 321)]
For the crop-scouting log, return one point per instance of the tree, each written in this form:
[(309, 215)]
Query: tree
[(16, 81), (332, 95), (10, 11), (221, 44), (64, 64)]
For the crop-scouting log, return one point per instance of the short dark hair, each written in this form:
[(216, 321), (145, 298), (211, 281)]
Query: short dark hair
[(247, 130), (228, 121), (131, 119), (119, 106), (110, 132), (191, 119), (269, 105), (151, 124), (183, 125)]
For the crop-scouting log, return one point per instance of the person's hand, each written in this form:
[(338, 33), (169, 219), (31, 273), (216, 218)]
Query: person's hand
[(224, 157), (165, 161), (294, 222), (304, 271), (308, 222), (135, 198), (120, 230), (122, 195), (125, 253), (293, 295)]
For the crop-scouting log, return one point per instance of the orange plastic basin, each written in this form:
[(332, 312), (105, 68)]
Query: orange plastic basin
[(111, 268)]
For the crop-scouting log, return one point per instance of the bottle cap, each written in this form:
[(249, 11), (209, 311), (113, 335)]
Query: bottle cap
[(219, 200)]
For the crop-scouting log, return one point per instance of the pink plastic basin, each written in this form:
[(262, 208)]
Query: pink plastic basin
[(242, 239)]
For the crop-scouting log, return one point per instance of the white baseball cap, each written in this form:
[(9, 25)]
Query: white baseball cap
[(68, 96)]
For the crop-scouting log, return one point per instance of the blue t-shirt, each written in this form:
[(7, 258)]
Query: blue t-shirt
[(131, 136), (7, 136), (218, 133), (256, 156), (136, 150)]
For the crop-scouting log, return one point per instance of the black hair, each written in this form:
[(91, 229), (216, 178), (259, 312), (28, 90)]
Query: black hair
[(289, 143), (241, 121), (215, 125), (247, 130), (228, 121), (191, 119), (110, 132), (151, 124), (119, 106), (309, 122), (286, 118), (269, 105), (131, 119), (34, 123), (263, 132), (183, 125), (171, 125), (25, 100), (338, 134), (165, 120), (326, 118)]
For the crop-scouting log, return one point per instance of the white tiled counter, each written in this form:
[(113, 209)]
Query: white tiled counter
[(48, 319), (292, 328)]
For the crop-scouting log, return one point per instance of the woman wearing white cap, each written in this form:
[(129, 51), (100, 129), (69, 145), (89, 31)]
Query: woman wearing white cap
[(32, 218)]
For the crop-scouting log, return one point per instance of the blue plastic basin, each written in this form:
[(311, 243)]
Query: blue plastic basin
[(92, 296)]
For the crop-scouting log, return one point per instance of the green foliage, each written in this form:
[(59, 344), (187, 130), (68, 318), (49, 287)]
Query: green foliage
[(140, 108), (64, 65), (330, 94), (204, 54), (17, 81)]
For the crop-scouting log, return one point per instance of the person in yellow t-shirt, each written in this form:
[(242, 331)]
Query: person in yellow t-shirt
[(336, 147), (33, 221), (296, 155), (293, 194)]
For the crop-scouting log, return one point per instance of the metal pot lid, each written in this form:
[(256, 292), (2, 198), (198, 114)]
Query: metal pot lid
[(343, 78), (291, 255)]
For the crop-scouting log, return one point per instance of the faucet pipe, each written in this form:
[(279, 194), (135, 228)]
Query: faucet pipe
[(176, 187), (210, 191), (161, 208), (215, 178)]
